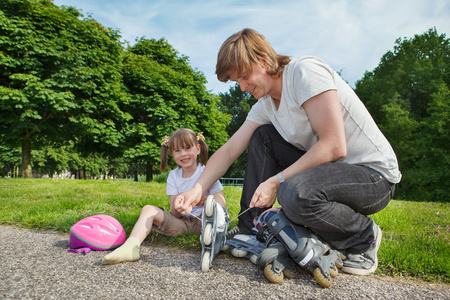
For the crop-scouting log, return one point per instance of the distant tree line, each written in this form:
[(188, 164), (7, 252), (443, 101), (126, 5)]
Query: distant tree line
[(73, 97)]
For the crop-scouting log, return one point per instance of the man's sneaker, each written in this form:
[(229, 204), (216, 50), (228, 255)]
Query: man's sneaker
[(367, 262)]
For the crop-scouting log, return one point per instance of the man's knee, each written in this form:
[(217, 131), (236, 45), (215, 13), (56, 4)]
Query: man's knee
[(262, 134), (263, 130), (297, 194)]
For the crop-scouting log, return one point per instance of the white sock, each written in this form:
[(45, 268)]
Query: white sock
[(129, 251)]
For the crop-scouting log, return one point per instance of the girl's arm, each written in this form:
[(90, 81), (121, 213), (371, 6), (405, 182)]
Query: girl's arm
[(217, 165), (325, 115)]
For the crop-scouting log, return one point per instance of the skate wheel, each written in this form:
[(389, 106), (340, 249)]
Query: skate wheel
[(267, 256), (339, 263), (322, 280), (225, 247), (205, 261), (291, 274), (209, 206), (271, 275), (333, 273), (239, 252), (207, 234), (254, 259)]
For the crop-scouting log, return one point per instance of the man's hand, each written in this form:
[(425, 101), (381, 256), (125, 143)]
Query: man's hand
[(266, 193), (184, 202)]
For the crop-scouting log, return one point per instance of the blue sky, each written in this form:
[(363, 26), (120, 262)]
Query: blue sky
[(350, 35)]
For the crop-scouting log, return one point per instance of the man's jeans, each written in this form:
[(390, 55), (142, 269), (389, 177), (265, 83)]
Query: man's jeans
[(333, 200)]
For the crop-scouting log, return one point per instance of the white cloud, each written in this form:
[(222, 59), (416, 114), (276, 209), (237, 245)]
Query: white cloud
[(350, 35)]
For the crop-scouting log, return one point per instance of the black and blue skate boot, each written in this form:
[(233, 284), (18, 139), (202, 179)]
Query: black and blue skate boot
[(304, 248), (274, 260)]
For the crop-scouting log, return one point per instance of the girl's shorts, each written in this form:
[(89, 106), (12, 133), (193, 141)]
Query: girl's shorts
[(172, 226)]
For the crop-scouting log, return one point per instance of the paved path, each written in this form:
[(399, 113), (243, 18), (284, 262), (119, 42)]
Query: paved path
[(36, 265)]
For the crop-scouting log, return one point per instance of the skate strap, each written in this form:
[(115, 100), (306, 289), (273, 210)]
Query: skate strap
[(294, 237), (79, 250), (261, 220), (264, 236), (277, 223)]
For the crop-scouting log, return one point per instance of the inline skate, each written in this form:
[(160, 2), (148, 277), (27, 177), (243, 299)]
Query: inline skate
[(301, 245), (215, 223)]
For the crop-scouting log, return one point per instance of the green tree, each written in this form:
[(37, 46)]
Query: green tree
[(434, 152), (414, 70), (59, 79), (237, 104), (165, 94), (407, 94), (9, 160)]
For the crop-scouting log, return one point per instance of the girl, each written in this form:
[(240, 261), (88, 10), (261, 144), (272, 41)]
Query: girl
[(187, 149)]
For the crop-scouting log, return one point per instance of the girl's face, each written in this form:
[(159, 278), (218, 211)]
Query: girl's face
[(186, 156)]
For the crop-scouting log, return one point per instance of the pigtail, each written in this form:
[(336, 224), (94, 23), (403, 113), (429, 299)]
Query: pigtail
[(203, 151), (163, 165), (163, 151)]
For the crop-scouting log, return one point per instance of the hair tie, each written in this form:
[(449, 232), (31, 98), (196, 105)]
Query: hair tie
[(200, 137), (165, 141)]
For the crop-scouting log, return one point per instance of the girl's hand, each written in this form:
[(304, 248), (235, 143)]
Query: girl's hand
[(266, 193), (184, 202), (179, 202)]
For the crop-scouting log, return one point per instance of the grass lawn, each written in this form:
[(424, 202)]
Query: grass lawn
[(416, 235)]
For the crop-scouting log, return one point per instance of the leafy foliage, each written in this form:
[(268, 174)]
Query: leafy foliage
[(236, 103), (59, 78), (166, 94), (72, 96)]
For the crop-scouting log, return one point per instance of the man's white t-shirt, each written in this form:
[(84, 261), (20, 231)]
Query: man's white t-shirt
[(176, 184), (307, 77)]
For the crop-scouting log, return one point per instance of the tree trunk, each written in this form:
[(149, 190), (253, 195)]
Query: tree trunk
[(26, 158), (136, 178), (149, 176)]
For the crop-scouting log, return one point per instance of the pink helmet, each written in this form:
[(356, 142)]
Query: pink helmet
[(99, 232)]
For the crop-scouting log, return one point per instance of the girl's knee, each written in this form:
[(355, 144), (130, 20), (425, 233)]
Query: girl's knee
[(220, 198), (149, 210)]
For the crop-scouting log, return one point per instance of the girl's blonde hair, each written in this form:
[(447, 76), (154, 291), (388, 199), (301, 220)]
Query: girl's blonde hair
[(242, 49), (182, 138)]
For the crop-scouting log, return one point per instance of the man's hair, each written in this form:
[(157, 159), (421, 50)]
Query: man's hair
[(242, 49)]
